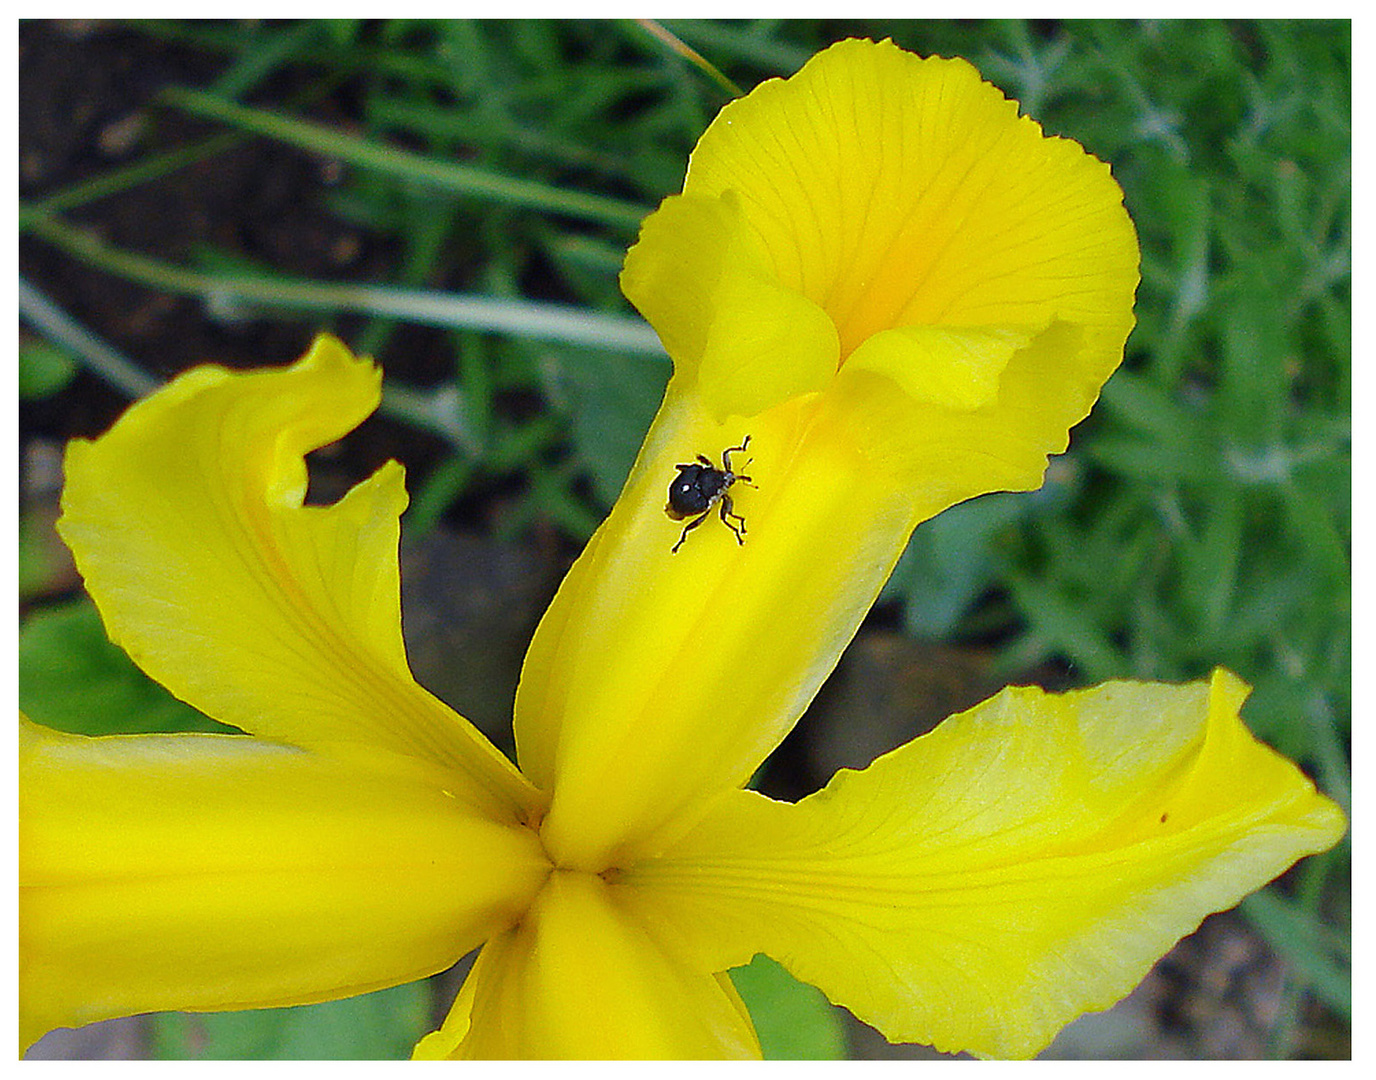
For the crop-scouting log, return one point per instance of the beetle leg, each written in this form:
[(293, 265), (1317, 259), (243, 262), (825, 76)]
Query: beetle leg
[(726, 454), (691, 525), (727, 514), (706, 461)]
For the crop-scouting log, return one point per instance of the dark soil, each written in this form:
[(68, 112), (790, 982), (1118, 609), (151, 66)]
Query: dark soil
[(87, 106)]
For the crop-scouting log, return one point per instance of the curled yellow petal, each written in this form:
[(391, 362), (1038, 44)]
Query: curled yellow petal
[(959, 368), (580, 979), (1026, 862), (187, 523), (207, 872), (740, 338)]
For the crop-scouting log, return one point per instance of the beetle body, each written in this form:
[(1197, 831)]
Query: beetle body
[(696, 488), (699, 486)]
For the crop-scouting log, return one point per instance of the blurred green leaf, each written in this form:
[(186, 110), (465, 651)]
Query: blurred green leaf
[(1319, 954), (381, 1026), (72, 678), (41, 558), (44, 370), (795, 1021), (612, 399), (949, 562)]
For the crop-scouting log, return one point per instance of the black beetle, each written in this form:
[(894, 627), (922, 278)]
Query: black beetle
[(700, 486)]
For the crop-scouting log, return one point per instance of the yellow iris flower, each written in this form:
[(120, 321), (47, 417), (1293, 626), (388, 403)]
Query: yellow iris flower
[(905, 295)]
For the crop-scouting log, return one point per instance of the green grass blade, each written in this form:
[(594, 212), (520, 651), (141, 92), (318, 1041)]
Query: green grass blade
[(406, 166), (521, 318)]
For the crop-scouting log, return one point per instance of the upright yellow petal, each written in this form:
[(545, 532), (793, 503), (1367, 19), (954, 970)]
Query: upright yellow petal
[(207, 872), (187, 523), (1026, 862), (905, 295), (580, 979)]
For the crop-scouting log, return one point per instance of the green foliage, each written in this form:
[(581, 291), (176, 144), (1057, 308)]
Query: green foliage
[(71, 678), (794, 1021), (38, 563), (613, 399), (1213, 521), (43, 370), (1320, 955), (381, 1026)]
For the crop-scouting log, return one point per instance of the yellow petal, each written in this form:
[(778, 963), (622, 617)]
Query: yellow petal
[(741, 341), (208, 872), (580, 979), (187, 523), (954, 367), (894, 190), (657, 678), (1024, 863), (944, 449)]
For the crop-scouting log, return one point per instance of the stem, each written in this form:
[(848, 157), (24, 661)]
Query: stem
[(676, 44), (522, 318), (105, 360)]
